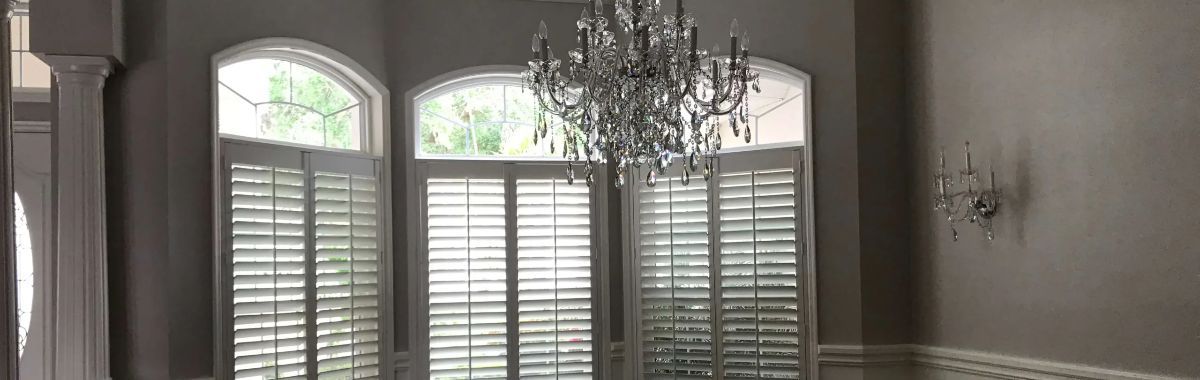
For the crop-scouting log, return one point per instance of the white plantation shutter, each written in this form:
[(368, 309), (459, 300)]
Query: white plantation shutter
[(267, 224), (347, 275), (467, 278), (303, 254), (760, 306), (554, 279), (676, 303)]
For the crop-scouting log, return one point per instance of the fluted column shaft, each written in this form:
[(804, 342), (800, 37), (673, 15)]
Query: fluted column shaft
[(81, 286)]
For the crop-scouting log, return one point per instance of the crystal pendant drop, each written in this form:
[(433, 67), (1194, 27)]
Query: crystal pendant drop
[(707, 170), (685, 179), (717, 143), (620, 182), (747, 134), (588, 176), (733, 125), (694, 162), (570, 174), (651, 179)]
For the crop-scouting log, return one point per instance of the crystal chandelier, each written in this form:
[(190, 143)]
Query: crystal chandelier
[(641, 98)]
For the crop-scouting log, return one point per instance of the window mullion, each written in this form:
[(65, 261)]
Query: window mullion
[(715, 279), (310, 269), (511, 272)]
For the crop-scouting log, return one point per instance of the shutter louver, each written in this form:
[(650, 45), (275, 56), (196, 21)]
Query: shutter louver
[(467, 279), (346, 229), (760, 314), (554, 280), (675, 280), (267, 221)]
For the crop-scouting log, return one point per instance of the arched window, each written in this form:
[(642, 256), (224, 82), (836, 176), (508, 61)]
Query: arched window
[(485, 115), (722, 272), (288, 97), (505, 246), (303, 246)]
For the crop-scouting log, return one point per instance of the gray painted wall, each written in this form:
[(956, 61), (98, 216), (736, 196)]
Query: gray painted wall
[(1090, 112), (159, 144)]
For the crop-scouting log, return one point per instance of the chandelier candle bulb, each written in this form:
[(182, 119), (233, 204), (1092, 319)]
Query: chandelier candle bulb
[(583, 38), (695, 40)]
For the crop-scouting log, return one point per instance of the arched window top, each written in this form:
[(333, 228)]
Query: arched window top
[(485, 113), (293, 92), (780, 114)]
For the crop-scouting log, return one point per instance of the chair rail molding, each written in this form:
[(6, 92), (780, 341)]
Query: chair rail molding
[(968, 362), (81, 281)]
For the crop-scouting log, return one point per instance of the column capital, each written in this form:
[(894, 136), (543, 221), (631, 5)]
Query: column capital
[(79, 64)]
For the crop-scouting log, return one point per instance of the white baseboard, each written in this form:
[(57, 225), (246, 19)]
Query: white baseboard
[(969, 362)]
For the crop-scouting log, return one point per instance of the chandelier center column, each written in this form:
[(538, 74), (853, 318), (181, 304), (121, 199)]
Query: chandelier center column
[(81, 302)]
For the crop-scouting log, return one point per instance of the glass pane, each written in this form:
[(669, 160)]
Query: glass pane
[(309, 88), (783, 124), (279, 121), (25, 275), (235, 115), (250, 79), (440, 136), (341, 129), (24, 33), (34, 72), (15, 29), (16, 69), (521, 105)]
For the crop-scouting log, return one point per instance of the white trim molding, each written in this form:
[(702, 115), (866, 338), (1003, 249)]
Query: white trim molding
[(1010, 367), (968, 362), (80, 249), (864, 356)]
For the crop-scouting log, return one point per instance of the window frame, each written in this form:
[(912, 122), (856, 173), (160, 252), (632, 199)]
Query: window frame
[(22, 93), (738, 159), (374, 144), (418, 169)]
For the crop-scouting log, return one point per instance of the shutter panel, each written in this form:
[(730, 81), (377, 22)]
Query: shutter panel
[(675, 273), (554, 279), (267, 216), (467, 280), (346, 229), (760, 305)]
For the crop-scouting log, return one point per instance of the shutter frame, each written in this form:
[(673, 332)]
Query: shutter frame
[(300, 161)]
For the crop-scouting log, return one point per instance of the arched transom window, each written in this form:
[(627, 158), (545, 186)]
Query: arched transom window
[(290, 101), (493, 116)]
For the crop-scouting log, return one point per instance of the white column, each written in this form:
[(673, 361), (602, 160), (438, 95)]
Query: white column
[(81, 281)]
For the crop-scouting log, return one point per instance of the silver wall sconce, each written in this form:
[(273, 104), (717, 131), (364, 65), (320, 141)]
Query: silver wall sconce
[(974, 205)]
